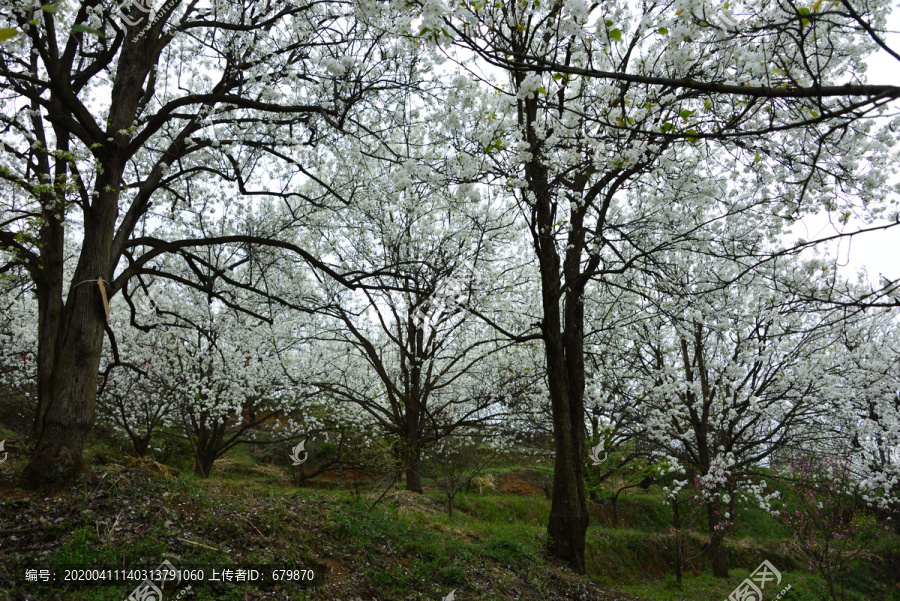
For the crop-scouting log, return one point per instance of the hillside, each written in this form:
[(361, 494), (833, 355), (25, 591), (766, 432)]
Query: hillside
[(402, 547)]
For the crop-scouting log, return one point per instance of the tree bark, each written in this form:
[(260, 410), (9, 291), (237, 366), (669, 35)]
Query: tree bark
[(679, 543), (568, 514), (717, 553), (50, 309), (203, 464), (413, 475), (565, 376), (67, 414), (141, 444), (563, 345)]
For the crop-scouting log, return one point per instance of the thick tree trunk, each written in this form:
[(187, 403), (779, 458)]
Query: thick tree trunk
[(412, 438), (565, 376), (203, 464), (50, 310), (141, 445), (208, 445), (413, 474), (563, 344), (679, 543), (69, 374), (68, 414), (717, 554), (71, 334), (568, 513)]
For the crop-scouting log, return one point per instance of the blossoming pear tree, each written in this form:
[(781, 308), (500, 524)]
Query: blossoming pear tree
[(111, 116), (212, 371), (619, 124), (405, 349), (730, 371)]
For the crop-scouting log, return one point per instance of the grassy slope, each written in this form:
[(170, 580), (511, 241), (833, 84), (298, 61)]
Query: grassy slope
[(405, 547)]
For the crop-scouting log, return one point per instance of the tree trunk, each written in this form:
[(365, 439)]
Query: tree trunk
[(717, 553), (679, 543), (203, 463), (565, 374), (141, 445), (562, 332), (50, 310), (412, 440), (208, 446), (71, 334), (399, 459), (68, 413), (413, 476)]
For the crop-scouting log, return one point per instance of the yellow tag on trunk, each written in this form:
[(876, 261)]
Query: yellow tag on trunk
[(103, 296)]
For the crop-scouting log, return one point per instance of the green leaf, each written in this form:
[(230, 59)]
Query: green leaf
[(685, 114), (7, 33), (663, 31), (49, 8), (691, 133), (615, 34), (557, 76), (609, 23), (804, 22), (668, 127), (86, 29), (495, 145), (756, 160)]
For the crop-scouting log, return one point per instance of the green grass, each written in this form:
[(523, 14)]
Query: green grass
[(404, 547), (499, 509)]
